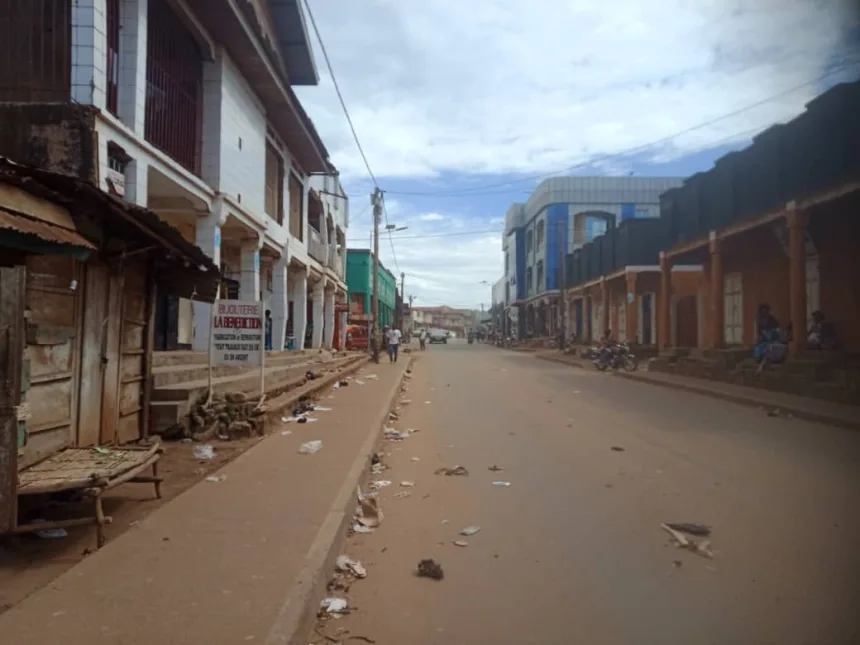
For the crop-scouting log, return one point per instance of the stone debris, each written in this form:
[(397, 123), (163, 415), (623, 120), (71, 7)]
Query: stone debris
[(228, 416), (429, 568)]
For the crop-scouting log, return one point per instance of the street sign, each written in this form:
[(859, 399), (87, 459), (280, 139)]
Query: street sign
[(237, 332)]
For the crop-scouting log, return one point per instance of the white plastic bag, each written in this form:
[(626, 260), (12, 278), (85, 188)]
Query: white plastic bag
[(311, 447)]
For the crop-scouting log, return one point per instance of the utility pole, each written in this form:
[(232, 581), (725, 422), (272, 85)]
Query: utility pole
[(376, 200), (562, 288), (402, 302)]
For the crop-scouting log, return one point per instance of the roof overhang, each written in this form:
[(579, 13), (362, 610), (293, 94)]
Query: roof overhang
[(236, 26), (293, 41)]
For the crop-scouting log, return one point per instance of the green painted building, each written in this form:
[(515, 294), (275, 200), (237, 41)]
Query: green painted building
[(359, 283)]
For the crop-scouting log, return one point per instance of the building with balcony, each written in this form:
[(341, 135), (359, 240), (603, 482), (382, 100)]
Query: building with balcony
[(563, 214), (359, 278), (187, 108)]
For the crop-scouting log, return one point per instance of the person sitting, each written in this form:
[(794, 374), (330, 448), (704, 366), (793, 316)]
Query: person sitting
[(767, 327), (822, 332)]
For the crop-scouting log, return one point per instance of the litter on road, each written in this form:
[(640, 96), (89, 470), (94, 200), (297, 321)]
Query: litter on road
[(461, 543), (455, 471), (495, 469), (347, 564), (358, 527), (380, 483), (699, 530), (286, 433), (415, 459), (51, 534), (470, 530), (310, 447), (335, 605), (501, 483), (204, 452), (429, 568), (702, 548), (407, 484), (216, 478), (617, 448), (403, 494)]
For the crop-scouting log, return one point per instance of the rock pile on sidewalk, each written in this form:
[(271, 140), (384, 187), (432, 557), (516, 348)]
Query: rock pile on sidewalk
[(229, 416)]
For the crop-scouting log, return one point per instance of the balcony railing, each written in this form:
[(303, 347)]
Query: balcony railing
[(316, 248)]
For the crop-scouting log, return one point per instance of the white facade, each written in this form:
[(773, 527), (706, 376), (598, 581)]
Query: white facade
[(222, 207)]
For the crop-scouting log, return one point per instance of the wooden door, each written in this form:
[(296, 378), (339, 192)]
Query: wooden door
[(134, 340), (687, 321), (11, 351), (53, 330)]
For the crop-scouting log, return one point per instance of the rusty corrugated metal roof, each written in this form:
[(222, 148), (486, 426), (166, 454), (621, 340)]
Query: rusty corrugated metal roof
[(42, 230)]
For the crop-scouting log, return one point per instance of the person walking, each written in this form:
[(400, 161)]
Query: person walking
[(393, 338), (422, 339)]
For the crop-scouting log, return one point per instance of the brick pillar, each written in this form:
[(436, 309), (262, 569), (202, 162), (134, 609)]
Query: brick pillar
[(796, 221), (632, 317), (280, 302), (328, 317), (717, 311), (249, 277), (319, 322), (604, 307), (208, 238), (664, 312), (299, 298)]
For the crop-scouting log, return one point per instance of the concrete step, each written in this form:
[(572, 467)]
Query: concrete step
[(186, 357), (247, 382), (185, 372)]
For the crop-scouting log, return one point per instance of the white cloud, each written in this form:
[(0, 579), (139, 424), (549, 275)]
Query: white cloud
[(432, 217), (492, 86), (442, 265)]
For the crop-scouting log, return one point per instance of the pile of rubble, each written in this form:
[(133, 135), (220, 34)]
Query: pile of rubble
[(229, 416)]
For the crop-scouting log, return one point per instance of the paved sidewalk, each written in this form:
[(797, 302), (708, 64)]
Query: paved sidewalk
[(226, 562), (837, 414)]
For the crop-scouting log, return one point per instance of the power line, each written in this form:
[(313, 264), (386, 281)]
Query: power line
[(631, 151), (339, 95), (390, 240)]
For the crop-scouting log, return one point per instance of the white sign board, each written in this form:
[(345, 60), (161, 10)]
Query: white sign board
[(237, 332)]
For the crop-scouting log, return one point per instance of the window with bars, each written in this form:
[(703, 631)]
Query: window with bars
[(174, 87), (274, 184)]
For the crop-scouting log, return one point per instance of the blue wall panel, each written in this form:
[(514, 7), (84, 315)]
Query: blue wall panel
[(520, 237), (554, 214)]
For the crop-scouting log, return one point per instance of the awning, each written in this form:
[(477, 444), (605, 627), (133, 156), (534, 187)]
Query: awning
[(44, 231)]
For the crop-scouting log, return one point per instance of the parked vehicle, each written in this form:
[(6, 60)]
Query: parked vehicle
[(438, 336), (617, 356)]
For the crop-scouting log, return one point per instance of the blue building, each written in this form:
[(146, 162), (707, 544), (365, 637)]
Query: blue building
[(563, 214)]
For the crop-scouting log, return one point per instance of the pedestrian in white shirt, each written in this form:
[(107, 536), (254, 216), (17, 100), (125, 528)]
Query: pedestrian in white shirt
[(393, 338)]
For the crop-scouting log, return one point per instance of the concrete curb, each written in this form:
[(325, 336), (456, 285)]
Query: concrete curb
[(562, 361), (748, 401), (287, 399), (298, 613)]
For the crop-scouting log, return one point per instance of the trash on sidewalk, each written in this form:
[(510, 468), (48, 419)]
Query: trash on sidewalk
[(407, 484), (368, 513), (380, 483), (286, 433), (460, 543), (302, 407), (495, 469), (358, 527), (699, 530), (311, 447), (319, 408), (357, 382), (216, 478), (347, 564), (455, 471), (405, 401), (393, 435), (617, 448), (204, 452), (335, 606), (403, 494), (299, 419), (501, 483), (415, 459), (702, 548), (51, 534), (393, 416), (429, 568), (371, 376), (426, 402), (470, 530), (376, 469)]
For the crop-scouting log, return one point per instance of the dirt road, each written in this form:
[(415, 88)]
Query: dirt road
[(572, 551)]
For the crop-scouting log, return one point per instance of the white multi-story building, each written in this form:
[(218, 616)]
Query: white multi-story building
[(186, 107)]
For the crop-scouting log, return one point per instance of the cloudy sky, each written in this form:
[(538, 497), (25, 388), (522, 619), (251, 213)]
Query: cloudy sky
[(463, 107)]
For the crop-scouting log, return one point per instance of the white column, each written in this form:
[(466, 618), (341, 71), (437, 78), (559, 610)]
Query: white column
[(132, 72), (299, 297), (89, 53), (328, 316), (137, 182), (249, 278), (279, 306), (343, 323), (208, 238), (317, 334)]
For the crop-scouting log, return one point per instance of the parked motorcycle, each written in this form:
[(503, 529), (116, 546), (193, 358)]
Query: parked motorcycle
[(615, 357)]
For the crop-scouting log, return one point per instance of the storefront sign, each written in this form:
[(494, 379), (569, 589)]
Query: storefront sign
[(237, 332)]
